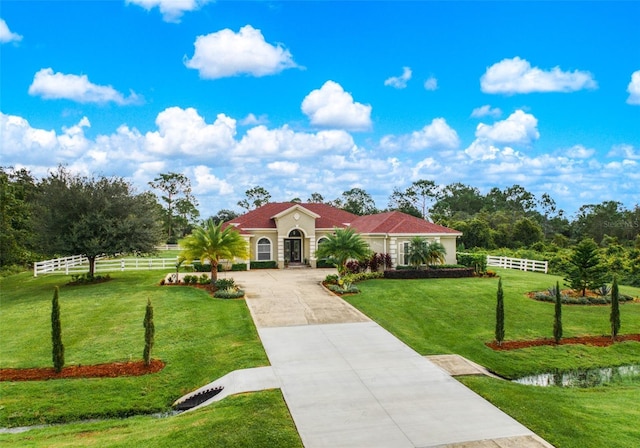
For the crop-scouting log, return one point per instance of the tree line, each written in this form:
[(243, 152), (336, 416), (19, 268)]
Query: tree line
[(65, 214)]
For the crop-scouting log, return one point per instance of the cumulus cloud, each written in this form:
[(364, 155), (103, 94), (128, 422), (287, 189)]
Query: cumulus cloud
[(330, 106), (486, 111), (634, 89), (580, 152), (519, 128), (6, 35), (207, 182), (399, 82), (285, 142), (625, 151), (252, 120), (184, 131), (283, 167), (436, 135), (431, 84), (225, 53), (53, 86), (516, 75), (171, 10)]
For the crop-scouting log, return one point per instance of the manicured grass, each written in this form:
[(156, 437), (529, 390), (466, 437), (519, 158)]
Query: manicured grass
[(439, 316), (458, 316), (251, 420), (199, 338)]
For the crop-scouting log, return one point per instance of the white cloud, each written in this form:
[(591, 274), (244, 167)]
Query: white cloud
[(284, 142), (624, 151), (286, 168), (252, 120), (516, 75), (225, 53), (486, 111), (171, 10), (206, 182), (330, 106), (184, 131), (634, 89), (399, 82), (431, 84), (519, 128), (6, 35), (436, 135), (580, 152), (51, 86)]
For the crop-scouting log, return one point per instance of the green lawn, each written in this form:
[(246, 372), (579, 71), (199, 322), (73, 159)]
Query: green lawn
[(199, 338), (458, 316)]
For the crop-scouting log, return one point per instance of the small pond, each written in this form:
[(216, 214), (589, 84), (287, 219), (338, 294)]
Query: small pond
[(583, 378)]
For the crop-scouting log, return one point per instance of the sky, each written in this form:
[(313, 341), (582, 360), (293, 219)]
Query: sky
[(324, 96)]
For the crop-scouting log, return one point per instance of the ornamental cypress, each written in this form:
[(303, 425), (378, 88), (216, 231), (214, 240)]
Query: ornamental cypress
[(557, 322), (56, 333), (614, 318), (149, 333), (500, 314)]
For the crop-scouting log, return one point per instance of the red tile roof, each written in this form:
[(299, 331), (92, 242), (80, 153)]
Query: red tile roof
[(262, 217), (330, 217), (398, 222)]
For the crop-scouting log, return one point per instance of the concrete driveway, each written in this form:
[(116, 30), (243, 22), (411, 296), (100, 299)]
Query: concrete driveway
[(350, 383)]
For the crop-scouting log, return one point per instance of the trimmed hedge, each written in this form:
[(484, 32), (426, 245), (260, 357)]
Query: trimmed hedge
[(429, 273), (325, 264), (272, 264)]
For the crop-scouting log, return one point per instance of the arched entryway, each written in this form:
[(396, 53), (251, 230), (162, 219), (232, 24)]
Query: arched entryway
[(293, 247)]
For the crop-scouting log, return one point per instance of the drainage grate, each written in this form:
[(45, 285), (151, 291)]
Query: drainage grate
[(197, 399)]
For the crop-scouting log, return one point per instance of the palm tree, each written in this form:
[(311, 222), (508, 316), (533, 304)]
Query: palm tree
[(343, 245), (418, 251), (212, 242), (436, 253)]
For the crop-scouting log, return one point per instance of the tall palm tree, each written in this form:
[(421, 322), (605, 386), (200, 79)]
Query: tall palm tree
[(343, 245), (212, 242), (436, 253)]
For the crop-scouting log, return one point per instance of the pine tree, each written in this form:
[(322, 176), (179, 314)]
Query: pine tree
[(149, 333), (615, 309), (557, 322), (56, 333), (500, 314), (585, 270)]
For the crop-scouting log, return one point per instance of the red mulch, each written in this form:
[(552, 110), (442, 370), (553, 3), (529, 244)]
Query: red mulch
[(599, 341), (111, 370)]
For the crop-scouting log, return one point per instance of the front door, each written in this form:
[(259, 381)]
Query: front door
[(293, 250)]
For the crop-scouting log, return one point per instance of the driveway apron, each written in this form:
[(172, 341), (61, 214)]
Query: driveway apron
[(350, 383)]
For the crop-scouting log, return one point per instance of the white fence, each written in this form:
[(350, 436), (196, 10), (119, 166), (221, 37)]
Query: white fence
[(518, 263), (79, 265)]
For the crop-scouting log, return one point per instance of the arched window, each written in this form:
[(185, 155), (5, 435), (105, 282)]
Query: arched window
[(322, 240), (264, 249), (295, 233)]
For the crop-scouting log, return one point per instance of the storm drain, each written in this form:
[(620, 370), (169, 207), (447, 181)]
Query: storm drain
[(197, 399)]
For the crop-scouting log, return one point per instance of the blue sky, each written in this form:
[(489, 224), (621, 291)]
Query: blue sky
[(303, 97)]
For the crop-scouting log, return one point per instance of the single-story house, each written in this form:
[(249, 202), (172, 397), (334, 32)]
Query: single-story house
[(291, 232)]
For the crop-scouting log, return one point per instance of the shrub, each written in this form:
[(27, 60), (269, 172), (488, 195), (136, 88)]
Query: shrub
[(85, 279), (346, 289), (56, 333), (201, 267), (228, 293), (476, 261), (264, 264), (239, 267), (326, 263), (225, 283), (149, 333), (331, 279), (204, 279)]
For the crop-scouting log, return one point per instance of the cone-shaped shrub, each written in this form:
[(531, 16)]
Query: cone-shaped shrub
[(500, 314), (557, 322), (149, 333), (614, 318), (56, 333)]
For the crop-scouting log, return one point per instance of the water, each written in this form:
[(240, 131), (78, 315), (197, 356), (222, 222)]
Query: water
[(582, 378)]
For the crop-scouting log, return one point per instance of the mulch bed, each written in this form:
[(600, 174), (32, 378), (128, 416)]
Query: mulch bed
[(599, 341), (111, 370)]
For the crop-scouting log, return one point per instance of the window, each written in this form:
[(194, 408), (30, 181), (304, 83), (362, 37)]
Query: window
[(295, 234), (403, 253), (264, 249)]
